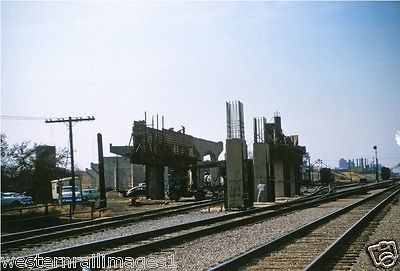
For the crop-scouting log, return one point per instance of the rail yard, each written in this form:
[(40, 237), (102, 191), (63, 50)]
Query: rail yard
[(326, 230), (263, 212), (204, 135), (241, 213)]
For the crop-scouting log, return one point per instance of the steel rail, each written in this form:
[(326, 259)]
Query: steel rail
[(319, 262), (44, 234), (113, 242), (48, 233), (88, 249), (17, 235), (236, 262)]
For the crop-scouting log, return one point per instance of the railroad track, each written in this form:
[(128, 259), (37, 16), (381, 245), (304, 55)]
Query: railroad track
[(325, 244), (37, 236), (137, 244), (156, 239), (344, 252), (15, 240)]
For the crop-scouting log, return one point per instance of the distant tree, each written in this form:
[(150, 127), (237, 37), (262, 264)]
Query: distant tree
[(22, 158), (4, 147), (62, 158), (22, 170), (5, 180), (17, 164)]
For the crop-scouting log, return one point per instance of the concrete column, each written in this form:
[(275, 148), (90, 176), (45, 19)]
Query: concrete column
[(201, 176), (279, 178), (271, 183), (138, 174), (131, 179), (270, 174), (286, 177), (195, 177), (260, 165), (297, 179), (155, 182), (234, 173), (109, 177), (166, 182), (292, 168), (214, 173), (115, 178), (248, 183), (192, 178), (180, 176)]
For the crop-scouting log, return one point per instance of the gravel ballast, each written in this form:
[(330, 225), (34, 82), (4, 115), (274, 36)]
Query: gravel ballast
[(208, 251), (205, 252), (388, 230), (137, 227)]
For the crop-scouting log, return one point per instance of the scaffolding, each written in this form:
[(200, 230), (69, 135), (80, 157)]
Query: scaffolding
[(162, 147)]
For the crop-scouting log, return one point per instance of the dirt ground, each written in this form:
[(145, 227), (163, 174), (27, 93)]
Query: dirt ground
[(118, 205)]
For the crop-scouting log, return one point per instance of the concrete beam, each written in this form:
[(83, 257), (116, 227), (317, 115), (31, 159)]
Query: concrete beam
[(279, 178), (207, 147), (124, 151)]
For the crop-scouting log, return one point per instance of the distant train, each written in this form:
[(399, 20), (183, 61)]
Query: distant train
[(385, 173), (326, 176)]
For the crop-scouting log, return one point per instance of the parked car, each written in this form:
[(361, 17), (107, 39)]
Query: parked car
[(137, 191), (15, 199), (90, 193)]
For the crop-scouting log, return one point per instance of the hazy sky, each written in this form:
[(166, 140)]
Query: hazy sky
[(331, 69)]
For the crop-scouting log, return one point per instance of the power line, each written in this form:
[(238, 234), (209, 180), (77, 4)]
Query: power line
[(10, 117)]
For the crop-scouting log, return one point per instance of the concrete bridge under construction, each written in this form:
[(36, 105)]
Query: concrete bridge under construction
[(175, 155)]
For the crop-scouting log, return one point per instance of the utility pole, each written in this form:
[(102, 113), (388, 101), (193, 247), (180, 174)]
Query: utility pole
[(71, 146), (102, 182), (116, 174), (376, 163), (351, 179), (309, 170)]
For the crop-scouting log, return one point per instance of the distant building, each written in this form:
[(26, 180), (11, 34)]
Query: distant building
[(358, 165), (45, 165), (89, 178), (46, 154), (396, 170), (343, 164), (287, 163), (119, 173)]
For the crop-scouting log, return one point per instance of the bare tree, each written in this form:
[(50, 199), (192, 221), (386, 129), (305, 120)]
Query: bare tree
[(22, 170)]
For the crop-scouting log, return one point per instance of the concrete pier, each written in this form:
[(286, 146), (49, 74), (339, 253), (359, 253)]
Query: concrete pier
[(235, 153), (155, 181), (260, 166)]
